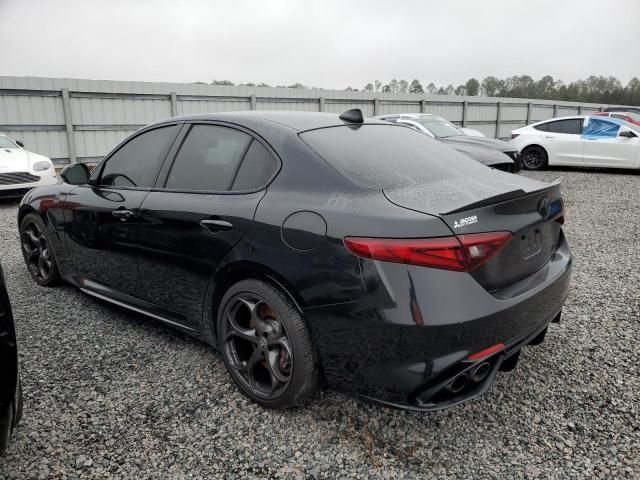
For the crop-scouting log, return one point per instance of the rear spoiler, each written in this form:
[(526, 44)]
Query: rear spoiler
[(503, 197)]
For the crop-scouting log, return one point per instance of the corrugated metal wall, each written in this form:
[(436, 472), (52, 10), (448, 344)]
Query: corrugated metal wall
[(95, 115)]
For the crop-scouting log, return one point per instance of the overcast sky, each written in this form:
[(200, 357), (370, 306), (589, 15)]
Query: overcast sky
[(323, 43)]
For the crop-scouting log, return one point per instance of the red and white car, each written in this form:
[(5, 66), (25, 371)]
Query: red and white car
[(630, 117)]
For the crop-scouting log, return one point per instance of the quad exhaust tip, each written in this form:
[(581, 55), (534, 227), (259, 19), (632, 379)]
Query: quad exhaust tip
[(458, 383), (481, 372), (475, 375)]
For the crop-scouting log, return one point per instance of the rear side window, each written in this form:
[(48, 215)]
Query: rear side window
[(386, 156), (257, 168), (208, 159), (137, 162), (573, 126)]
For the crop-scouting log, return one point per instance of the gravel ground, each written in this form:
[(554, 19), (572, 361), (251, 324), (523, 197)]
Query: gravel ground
[(111, 394)]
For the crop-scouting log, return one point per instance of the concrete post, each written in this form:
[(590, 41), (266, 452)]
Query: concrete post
[(253, 101), (498, 117), (580, 110), (528, 113), (174, 103), (376, 106), (68, 123), (555, 110), (321, 104), (423, 106), (464, 113)]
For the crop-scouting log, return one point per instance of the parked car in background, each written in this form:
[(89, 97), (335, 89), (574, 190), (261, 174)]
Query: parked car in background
[(630, 117), (219, 225), (21, 170), (446, 132), (471, 132), (622, 109), (579, 141), (10, 390)]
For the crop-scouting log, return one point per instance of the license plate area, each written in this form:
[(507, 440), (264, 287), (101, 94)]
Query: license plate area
[(531, 242)]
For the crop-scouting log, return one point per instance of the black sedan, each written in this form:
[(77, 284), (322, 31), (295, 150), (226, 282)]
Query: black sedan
[(311, 248), (491, 152), (10, 391)]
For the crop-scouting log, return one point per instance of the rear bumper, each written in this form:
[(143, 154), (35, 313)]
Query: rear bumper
[(414, 332)]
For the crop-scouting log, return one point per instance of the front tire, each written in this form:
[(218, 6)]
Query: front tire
[(534, 158), (38, 252), (266, 345)]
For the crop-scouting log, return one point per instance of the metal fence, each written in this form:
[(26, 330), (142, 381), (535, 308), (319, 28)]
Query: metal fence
[(73, 120)]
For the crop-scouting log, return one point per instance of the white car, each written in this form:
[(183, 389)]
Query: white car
[(21, 170), (578, 141), (472, 132)]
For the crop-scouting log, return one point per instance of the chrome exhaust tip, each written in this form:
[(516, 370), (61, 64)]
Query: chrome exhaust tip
[(481, 372), (458, 383)]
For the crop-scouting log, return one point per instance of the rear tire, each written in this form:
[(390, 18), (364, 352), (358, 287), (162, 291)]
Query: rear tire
[(266, 345), (38, 252), (534, 158)]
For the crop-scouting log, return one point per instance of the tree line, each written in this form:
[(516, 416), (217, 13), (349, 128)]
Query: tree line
[(593, 89)]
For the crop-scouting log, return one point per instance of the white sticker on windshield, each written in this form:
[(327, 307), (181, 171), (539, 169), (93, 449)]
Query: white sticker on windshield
[(464, 222)]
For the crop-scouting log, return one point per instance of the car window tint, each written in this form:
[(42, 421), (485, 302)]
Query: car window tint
[(257, 168), (137, 162), (573, 126), (208, 159), (387, 156), (543, 126)]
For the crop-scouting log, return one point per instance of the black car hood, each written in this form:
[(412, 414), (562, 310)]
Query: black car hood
[(478, 141), (484, 155)]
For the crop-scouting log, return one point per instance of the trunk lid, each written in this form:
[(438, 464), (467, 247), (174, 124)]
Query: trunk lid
[(530, 212)]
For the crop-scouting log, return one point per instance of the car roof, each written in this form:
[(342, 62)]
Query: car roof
[(298, 121)]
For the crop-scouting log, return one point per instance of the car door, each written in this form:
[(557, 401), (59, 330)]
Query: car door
[(563, 141), (204, 203), (102, 218), (605, 147)]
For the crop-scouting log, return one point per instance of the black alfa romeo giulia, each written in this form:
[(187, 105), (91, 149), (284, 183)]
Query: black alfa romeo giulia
[(313, 248)]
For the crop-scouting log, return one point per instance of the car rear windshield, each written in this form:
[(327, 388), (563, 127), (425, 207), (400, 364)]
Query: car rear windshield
[(387, 156)]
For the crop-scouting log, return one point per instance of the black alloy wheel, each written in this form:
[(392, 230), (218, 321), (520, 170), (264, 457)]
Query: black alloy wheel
[(37, 251), (534, 158), (266, 345)]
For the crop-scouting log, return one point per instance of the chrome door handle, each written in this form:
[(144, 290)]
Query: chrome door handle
[(122, 214), (217, 225)]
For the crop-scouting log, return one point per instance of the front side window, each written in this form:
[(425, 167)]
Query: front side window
[(208, 159), (137, 163), (598, 128)]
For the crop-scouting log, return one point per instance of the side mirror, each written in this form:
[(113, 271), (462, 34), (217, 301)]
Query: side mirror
[(75, 174), (19, 143), (627, 134)]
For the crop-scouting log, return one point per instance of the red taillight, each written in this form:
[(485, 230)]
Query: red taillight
[(463, 253), (514, 135)]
